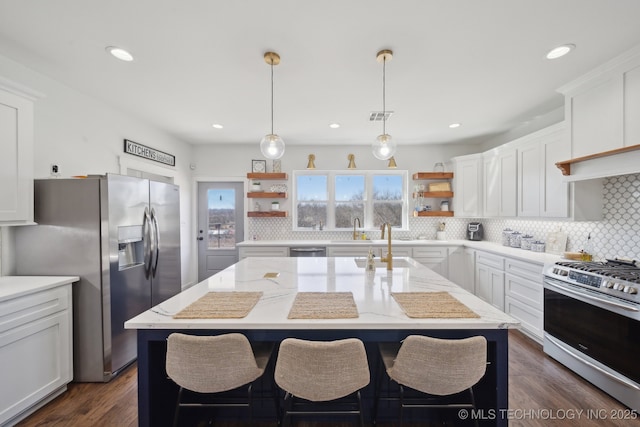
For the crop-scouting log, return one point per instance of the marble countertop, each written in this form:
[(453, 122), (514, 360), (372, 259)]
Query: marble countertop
[(371, 291), (525, 255), (15, 286)]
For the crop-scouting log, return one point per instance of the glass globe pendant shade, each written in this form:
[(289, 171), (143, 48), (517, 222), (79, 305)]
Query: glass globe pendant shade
[(384, 147), (272, 146)]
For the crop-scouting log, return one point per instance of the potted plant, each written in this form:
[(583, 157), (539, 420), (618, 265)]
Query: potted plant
[(255, 186), (275, 206)]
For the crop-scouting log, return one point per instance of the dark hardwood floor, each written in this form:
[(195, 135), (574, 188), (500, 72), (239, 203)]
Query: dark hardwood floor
[(541, 393)]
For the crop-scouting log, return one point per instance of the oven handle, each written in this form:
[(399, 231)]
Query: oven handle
[(591, 365), (584, 295)]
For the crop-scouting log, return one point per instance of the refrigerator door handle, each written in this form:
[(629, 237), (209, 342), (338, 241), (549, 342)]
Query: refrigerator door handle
[(156, 243), (148, 242)]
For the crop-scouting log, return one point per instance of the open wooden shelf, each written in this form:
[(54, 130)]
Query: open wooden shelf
[(265, 175), (433, 213), (565, 166), (267, 214), (433, 175), (434, 194), (266, 195)]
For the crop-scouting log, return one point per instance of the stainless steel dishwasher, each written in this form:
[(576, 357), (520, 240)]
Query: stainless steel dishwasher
[(311, 251)]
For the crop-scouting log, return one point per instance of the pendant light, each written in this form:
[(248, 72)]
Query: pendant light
[(271, 145), (384, 146)]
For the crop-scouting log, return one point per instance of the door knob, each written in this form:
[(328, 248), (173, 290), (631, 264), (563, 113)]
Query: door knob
[(200, 238)]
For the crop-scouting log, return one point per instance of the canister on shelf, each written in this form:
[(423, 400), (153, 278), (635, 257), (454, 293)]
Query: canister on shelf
[(514, 239), (525, 241), (506, 237)]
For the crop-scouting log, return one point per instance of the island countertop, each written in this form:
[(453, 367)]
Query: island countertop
[(371, 291)]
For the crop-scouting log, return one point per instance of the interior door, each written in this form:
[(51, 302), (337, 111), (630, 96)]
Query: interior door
[(220, 225)]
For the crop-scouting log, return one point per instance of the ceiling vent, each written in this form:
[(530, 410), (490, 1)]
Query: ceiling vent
[(378, 116)]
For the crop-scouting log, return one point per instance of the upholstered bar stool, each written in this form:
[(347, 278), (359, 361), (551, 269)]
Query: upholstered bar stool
[(210, 365), (443, 371), (322, 377)]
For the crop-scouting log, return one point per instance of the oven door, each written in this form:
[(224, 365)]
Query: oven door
[(596, 327)]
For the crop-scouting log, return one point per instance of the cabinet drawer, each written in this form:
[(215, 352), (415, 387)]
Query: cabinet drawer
[(531, 320), (528, 270), (266, 251), (430, 252), (527, 291), (27, 308), (485, 258)]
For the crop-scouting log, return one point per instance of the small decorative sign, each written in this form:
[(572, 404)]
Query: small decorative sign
[(143, 151)]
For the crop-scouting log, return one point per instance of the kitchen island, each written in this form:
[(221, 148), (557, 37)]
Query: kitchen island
[(380, 319)]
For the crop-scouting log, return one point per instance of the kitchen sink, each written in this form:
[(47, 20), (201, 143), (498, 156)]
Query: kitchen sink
[(397, 263)]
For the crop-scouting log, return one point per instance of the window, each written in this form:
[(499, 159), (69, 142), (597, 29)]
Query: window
[(335, 198)]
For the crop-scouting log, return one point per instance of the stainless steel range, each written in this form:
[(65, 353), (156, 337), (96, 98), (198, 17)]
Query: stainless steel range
[(592, 323)]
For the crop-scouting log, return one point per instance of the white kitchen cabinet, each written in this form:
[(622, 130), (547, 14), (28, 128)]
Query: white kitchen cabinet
[(434, 257), (35, 349), (489, 278), (461, 265), (541, 190), (602, 106), (525, 296), (554, 197), (490, 185), (16, 161), (263, 251), (468, 185), (499, 178), (508, 163)]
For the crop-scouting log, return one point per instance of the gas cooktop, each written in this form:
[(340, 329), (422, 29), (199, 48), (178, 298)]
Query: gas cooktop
[(619, 278)]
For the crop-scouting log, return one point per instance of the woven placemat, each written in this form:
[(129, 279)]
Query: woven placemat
[(323, 305), (220, 305), (432, 305)]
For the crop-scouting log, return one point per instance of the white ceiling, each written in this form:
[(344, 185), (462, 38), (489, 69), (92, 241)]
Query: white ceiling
[(198, 62)]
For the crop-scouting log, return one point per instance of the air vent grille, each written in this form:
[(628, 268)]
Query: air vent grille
[(377, 116)]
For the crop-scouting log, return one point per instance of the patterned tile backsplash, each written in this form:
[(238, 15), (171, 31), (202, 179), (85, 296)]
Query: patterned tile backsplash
[(618, 234)]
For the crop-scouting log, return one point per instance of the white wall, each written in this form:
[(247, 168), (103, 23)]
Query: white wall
[(85, 136)]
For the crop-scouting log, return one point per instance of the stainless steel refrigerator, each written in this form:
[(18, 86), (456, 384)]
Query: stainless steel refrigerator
[(121, 236)]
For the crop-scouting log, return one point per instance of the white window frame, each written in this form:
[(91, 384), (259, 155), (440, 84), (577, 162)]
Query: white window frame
[(367, 221)]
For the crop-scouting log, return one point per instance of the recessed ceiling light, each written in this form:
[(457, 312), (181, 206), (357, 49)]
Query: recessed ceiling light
[(217, 125), (560, 51), (454, 125), (120, 53), (334, 125)]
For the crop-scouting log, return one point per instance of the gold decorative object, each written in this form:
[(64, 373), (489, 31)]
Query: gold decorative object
[(352, 161), (310, 164), (392, 163)]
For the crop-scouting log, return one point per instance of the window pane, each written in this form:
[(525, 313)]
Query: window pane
[(311, 213), (349, 188), (390, 212), (346, 212), (387, 203), (311, 188), (387, 187), (221, 227)]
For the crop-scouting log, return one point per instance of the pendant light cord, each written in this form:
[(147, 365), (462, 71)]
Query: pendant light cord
[(384, 113), (272, 96)]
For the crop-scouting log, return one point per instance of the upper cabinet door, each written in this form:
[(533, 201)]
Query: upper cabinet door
[(632, 107), (16, 161), (468, 185), (529, 179), (554, 196), (491, 185), (508, 165), (596, 118)]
